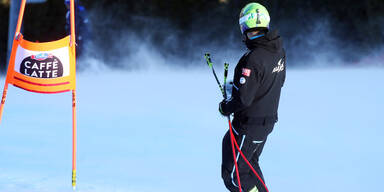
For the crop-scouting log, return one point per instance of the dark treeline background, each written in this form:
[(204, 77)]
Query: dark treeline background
[(183, 28), (4, 12)]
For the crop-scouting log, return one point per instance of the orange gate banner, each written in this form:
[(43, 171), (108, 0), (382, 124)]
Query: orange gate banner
[(42, 67)]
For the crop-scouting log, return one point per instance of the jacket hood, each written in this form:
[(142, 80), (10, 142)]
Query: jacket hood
[(271, 41)]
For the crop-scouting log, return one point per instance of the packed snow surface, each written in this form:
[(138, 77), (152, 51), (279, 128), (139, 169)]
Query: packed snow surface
[(160, 130)]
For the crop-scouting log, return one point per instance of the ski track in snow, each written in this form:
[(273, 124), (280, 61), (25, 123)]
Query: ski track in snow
[(161, 131)]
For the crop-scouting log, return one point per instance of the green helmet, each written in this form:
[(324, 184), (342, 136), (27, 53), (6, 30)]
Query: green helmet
[(254, 16)]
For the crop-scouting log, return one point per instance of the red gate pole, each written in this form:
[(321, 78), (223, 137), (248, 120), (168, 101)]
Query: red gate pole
[(17, 32), (74, 128)]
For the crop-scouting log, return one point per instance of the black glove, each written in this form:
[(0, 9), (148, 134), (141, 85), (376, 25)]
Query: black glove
[(222, 107)]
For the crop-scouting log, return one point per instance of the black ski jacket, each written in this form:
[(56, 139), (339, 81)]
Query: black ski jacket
[(258, 79)]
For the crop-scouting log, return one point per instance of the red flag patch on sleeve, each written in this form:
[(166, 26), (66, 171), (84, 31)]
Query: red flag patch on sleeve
[(246, 72)]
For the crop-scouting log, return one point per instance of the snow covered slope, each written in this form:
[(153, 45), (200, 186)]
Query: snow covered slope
[(161, 131)]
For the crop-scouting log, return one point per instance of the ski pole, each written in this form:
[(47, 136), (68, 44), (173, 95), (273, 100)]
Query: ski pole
[(210, 64)]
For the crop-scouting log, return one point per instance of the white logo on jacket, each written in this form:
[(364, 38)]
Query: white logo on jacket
[(280, 66), (242, 80)]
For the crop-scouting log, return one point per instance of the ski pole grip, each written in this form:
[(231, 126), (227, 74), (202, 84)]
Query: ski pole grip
[(208, 59), (226, 65), (210, 64)]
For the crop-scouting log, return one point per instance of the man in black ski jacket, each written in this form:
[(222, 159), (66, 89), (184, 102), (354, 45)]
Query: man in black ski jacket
[(258, 79)]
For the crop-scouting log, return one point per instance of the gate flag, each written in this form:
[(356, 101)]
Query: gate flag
[(46, 68), (42, 67)]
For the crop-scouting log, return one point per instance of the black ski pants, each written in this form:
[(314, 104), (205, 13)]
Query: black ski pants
[(251, 140)]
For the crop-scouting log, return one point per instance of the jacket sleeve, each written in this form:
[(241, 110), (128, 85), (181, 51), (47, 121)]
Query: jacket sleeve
[(246, 82)]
